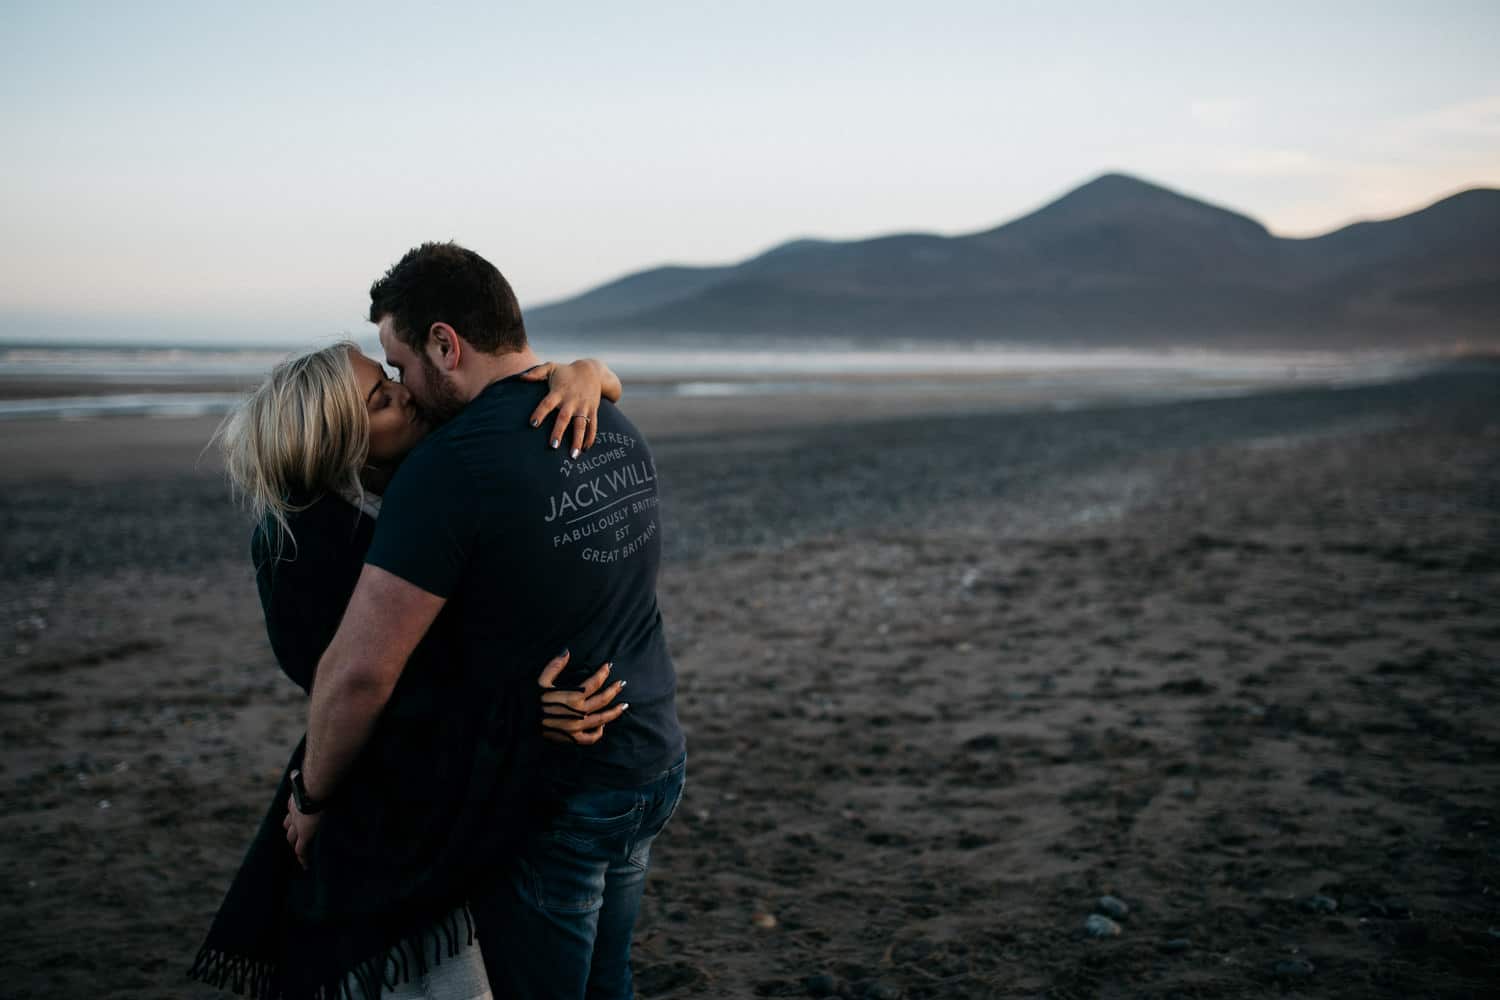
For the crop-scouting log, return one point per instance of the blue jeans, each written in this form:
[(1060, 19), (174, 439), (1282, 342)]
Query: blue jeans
[(562, 925)]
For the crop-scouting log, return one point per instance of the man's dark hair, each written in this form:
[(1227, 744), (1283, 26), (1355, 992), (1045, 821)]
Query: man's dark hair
[(447, 283)]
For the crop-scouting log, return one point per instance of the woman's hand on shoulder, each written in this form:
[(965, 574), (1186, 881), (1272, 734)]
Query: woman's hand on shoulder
[(574, 392), (578, 715)]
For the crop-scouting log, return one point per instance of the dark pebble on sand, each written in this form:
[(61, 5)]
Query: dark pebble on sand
[(1318, 904), (1292, 968), (1113, 907), (1098, 926), (1176, 946), (1189, 686)]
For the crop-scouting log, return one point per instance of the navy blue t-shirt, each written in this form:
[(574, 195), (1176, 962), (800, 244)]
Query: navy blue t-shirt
[(537, 552)]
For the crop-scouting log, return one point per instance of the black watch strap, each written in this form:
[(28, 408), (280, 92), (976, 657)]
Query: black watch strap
[(306, 804)]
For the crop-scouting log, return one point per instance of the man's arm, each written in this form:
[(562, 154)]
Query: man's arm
[(386, 619)]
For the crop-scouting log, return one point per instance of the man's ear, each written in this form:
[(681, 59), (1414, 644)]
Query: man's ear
[(444, 348)]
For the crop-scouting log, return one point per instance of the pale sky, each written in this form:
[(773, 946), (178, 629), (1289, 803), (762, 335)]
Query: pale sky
[(205, 170)]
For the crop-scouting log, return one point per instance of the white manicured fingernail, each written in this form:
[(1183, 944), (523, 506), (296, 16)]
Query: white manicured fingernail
[(574, 453)]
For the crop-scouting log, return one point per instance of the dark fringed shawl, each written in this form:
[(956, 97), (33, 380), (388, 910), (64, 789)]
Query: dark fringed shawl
[(286, 934), (420, 820)]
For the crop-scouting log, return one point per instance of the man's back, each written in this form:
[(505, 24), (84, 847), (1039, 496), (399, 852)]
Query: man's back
[(537, 552)]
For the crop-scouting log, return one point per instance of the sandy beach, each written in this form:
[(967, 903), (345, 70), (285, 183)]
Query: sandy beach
[(951, 671)]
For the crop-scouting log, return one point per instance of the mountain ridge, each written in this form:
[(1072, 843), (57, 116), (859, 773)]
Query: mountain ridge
[(1116, 261)]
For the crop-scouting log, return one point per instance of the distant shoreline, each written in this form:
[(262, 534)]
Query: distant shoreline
[(58, 383), (130, 446), (16, 387)]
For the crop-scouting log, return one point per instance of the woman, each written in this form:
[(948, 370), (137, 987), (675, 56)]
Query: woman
[(311, 450)]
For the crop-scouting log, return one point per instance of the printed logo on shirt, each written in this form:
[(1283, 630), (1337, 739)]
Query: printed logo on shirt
[(622, 444), (608, 507)]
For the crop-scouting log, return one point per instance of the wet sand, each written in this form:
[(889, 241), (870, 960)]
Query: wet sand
[(948, 677), (29, 386)]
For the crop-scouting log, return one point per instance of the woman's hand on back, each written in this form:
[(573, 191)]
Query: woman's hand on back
[(574, 392), (577, 715)]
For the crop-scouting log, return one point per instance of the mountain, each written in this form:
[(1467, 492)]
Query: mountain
[(1116, 262)]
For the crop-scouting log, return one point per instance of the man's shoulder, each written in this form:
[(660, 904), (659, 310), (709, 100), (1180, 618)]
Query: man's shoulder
[(615, 426)]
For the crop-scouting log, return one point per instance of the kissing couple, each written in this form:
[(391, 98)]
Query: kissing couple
[(454, 824)]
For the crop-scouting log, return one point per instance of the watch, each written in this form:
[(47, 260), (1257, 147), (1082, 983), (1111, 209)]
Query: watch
[(306, 804)]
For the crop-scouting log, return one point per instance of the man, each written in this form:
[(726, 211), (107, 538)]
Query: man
[(525, 550)]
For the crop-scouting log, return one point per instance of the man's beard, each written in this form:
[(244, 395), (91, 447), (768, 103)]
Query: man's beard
[(440, 402)]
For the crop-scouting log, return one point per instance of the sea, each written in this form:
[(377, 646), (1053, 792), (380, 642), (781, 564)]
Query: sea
[(84, 381)]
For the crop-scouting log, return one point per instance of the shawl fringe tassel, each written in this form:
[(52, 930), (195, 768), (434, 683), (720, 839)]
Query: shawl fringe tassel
[(414, 955)]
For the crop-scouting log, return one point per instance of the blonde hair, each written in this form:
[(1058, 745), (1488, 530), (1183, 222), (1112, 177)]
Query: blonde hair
[(301, 434)]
